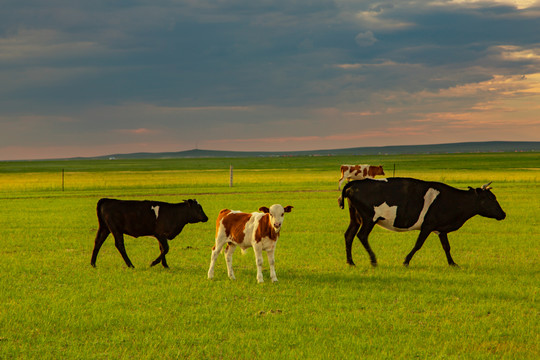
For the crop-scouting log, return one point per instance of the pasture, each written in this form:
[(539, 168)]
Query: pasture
[(53, 304)]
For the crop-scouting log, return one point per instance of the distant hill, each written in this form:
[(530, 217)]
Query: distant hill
[(452, 148)]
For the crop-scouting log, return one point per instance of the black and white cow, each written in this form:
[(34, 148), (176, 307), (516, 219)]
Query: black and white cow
[(162, 220), (404, 204)]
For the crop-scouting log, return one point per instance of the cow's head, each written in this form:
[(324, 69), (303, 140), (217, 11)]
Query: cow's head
[(277, 213), (488, 205), (196, 212)]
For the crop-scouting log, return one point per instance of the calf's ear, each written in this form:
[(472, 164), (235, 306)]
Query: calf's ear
[(288, 208), (264, 209), (191, 202)]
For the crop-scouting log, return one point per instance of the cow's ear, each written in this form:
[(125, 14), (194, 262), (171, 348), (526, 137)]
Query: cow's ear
[(288, 208), (264, 209)]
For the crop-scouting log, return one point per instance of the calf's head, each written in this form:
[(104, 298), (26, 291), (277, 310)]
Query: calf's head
[(277, 213), (196, 212), (376, 170), (488, 205)]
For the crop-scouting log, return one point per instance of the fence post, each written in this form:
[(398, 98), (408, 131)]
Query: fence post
[(62, 179), (231, 177), (394, 175)]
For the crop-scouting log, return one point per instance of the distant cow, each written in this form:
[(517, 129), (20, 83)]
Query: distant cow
[(403, 204), (161, 220), (259, 230), (359, 172)]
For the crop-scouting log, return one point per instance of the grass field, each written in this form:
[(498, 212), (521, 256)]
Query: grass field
[(54, 305)]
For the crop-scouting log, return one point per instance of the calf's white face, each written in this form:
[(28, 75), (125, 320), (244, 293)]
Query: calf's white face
[(277, 214)]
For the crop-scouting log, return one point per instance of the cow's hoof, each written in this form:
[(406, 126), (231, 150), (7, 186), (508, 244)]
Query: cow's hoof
[(374, 264)]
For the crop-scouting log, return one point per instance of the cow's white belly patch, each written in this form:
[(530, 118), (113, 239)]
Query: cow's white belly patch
[(156, 210), (385, 215)]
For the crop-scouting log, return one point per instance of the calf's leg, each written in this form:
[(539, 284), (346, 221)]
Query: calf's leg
[(446, 246), (119, 242), (419, 242), (340, 181), (257, 249), (270, 255), (215, 253), (101, 235), (229, 251), (164, 249)]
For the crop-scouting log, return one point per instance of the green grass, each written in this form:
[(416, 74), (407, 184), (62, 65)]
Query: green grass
[(53, 304)]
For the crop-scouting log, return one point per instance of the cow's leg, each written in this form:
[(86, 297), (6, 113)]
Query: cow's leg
[(419, 242), (101, 235), (446, 246), (164, 249), (119, 242), (257, 249), (270, 255), (354, 225), (365, 230), (229, 251), (215, 253), (340, 181)]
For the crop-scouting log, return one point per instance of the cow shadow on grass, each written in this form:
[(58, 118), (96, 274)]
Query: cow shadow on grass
[(448, 283)]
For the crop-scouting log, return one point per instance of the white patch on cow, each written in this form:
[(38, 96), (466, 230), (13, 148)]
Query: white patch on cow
[(385, 215), (156, 210), (382, 179), (429, 198)]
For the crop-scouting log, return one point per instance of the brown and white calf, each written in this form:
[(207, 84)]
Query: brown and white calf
[(259, 230), (359, 172)]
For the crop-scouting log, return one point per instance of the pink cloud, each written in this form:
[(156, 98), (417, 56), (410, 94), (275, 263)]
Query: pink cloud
[(139, 131)]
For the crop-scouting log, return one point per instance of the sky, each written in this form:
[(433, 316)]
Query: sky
[(90, 78)]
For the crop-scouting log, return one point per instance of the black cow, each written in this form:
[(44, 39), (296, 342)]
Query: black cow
[(403, 204), (161, 220)]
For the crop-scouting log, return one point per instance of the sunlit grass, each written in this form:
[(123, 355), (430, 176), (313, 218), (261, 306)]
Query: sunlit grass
[(53, 304)]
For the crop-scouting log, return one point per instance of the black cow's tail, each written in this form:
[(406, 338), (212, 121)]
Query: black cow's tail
[(344, 195)]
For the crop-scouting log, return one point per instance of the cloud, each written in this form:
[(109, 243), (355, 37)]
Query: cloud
[(38, 45), (375, 20), (365, 39), (139, 131), (519, 4)]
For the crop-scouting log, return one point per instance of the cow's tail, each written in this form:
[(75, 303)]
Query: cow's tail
[(344, 195)]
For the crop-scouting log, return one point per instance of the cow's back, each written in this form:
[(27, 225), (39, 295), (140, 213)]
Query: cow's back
[(368, 191), (234, 224), (131, 217)]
